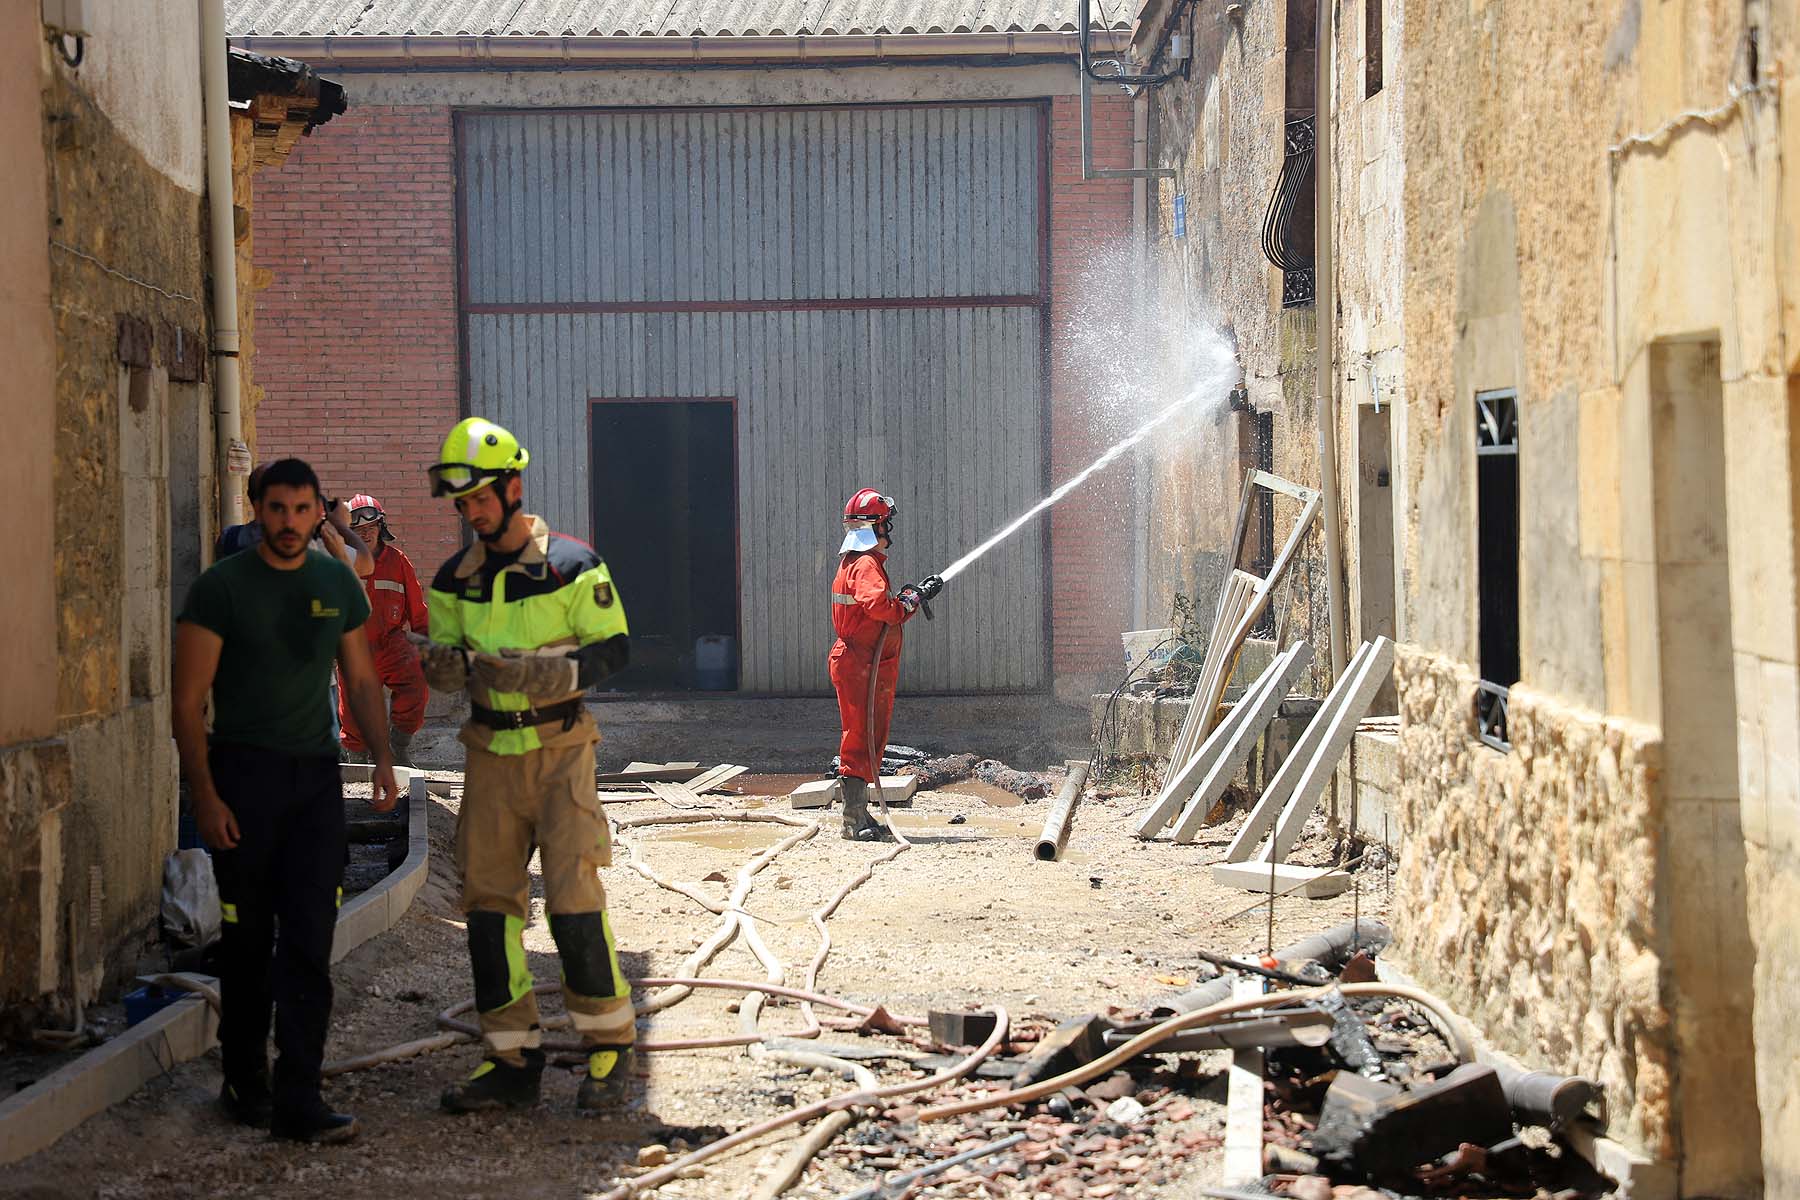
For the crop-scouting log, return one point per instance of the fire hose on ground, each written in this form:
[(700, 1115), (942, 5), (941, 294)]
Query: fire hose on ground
[(838, 1111), (736, 921)]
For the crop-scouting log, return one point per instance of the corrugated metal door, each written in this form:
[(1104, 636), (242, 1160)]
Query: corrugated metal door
[(866, 283)]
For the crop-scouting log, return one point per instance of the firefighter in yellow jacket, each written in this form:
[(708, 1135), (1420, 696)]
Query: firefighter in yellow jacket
[(526, 620)]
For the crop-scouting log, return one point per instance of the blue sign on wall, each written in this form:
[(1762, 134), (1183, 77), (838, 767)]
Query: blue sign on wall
[(1180, 214)]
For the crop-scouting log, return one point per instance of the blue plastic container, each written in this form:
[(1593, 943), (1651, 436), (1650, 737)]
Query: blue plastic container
[(715, 662), (147, 1001)]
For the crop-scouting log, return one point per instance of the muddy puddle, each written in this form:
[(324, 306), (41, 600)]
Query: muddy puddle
[(994, 797), (719, 835)]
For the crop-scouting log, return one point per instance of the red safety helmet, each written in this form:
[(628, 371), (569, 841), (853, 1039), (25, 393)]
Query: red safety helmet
[(365, 508), (870, 505), (867, 518)]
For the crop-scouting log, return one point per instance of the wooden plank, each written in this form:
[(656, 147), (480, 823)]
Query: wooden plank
[(717, 778), (1272, 689), (1181, 785), (677, 795), (1312, 883), (633, 778), (1268, 806), (1276, 483), (704, 780), (1232, 600), (1260, 601), (1244, 1104), (1319, 768)]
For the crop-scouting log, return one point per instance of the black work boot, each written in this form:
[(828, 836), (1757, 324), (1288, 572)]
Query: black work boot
[(497, 1083), (315, 1123), (247, 1100), (607, 1080), (859, 826)]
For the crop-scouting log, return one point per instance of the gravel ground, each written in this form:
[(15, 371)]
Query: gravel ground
[(966, 918)]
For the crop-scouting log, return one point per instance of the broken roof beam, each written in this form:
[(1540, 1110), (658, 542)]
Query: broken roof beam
[(1258, 712), (1324, 725)]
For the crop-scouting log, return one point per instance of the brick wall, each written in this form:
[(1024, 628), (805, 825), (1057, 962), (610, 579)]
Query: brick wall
[(356, 338), (1090, 531)]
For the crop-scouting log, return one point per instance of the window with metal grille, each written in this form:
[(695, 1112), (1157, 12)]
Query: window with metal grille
[(1497, 558), (1287, 226)]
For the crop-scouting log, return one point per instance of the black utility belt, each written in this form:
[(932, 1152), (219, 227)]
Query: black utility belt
[(568, 712)]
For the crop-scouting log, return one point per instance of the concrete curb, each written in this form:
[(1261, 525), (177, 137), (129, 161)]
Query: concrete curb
[(33, 1119), (380, 908), (37, 1117)]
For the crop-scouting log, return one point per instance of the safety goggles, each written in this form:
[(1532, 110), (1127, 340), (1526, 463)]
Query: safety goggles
[(453, 479), (368, 514)]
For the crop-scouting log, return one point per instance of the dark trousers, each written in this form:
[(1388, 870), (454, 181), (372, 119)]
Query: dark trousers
[(279, 888)]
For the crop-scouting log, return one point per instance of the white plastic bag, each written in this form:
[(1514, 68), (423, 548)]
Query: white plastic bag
[(190, 899)]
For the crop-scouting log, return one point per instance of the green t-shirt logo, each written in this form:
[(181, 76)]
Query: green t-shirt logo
[(319, 609)]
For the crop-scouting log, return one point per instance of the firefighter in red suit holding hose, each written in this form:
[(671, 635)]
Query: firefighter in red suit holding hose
[(865, 659), (396, 604)]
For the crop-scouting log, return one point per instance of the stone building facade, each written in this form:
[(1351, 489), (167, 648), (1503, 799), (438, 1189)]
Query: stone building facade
[(1613, 261), (1233, 132), (1564, 337), (109, 408)]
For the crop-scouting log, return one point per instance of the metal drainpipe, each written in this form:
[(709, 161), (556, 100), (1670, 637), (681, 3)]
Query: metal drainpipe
[(1325, 314), (232, 461)]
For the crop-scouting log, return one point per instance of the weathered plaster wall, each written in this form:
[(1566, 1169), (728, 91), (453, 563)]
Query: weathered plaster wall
[(142, 67), (1579, 277), (1368, 225)]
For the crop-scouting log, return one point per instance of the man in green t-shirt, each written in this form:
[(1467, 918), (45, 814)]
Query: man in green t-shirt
[(260, 630)]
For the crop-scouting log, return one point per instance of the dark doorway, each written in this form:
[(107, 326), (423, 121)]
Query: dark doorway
[(665, 519)]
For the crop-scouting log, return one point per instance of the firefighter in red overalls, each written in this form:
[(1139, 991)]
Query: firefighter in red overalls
[(396, 604), (861, 610)]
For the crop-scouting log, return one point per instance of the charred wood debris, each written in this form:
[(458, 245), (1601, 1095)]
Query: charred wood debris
[(1364, 1099)]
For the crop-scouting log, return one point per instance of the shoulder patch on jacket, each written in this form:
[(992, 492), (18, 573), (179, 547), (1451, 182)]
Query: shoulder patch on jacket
[(603, 593)]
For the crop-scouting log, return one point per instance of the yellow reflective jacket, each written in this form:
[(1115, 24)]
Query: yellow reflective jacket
[(556, 593)]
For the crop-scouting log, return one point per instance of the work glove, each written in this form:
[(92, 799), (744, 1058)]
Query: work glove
[(538, 676), (915, 596), (446, 667)]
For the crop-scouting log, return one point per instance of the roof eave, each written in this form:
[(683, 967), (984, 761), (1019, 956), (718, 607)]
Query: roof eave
[(515, 50)]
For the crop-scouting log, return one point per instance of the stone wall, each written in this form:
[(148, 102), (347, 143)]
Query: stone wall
[(1631, 288), (89, 815), (1222, 132), (1527, 889)]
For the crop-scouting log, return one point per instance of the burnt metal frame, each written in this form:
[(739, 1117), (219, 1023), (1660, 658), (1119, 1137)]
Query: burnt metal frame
[(1040, 300)]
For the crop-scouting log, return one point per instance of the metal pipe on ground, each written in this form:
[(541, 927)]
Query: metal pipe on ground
[(1055, 838), (1544, 1098), (1332, 948)]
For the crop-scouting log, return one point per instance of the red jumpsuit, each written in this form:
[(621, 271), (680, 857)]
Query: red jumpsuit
[(860, 607), (395, 603)]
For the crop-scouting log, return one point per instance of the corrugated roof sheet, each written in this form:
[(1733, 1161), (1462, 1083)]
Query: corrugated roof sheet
[(654, 18)]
